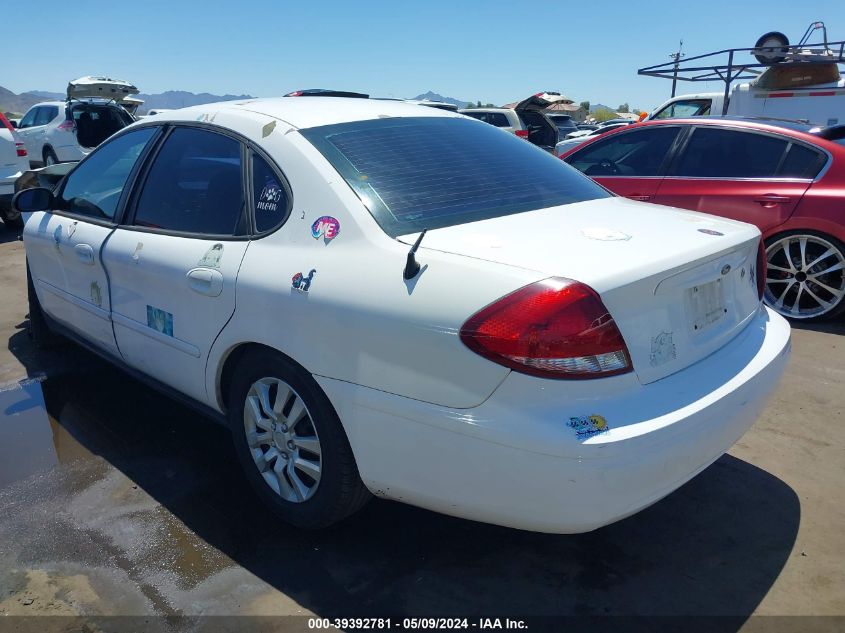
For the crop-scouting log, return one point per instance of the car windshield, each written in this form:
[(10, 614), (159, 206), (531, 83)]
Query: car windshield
[(432, 172)]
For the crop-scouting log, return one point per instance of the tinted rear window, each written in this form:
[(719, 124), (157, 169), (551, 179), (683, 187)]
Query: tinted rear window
[(416, 173)]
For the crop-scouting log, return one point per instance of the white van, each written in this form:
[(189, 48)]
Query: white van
[(778, 93)]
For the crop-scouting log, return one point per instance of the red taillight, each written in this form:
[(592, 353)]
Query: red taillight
[(521, 133), (762, 269), (66, 125), (556, 328), (21, 149)]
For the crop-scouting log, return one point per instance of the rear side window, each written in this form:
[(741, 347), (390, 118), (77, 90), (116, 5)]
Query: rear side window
[(195, 185), (271, 197), (46, 114), (684, 109), (498, 119), (801, 162), (94, 188), (635, 153), (720, 153), (421, 172)]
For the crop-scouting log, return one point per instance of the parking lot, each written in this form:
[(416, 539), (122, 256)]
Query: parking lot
[(117, 501)]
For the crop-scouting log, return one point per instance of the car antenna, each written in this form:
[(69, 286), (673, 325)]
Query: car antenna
[(412, 266)]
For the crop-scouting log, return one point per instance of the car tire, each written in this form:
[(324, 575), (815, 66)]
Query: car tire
[(806, 275), (39, 330), (270, 451), (50, 157)]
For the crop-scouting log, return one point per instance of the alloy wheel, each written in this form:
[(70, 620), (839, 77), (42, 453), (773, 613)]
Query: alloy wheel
[(806, 276), (282, 439)]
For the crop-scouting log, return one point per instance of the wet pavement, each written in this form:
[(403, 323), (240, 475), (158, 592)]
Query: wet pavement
[(115, 500)]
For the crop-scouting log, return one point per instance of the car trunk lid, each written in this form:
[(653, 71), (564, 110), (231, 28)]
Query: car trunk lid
[(100, 87), (679, 284)]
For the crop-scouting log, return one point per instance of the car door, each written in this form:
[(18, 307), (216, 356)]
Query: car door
[(63, 246), (629, 163), (735, 173), (173, 263)]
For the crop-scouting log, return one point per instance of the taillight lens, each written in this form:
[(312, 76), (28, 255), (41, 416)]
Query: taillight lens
[(21, 148), (556, 328), (762, 269), (521, 133), (66, 125)]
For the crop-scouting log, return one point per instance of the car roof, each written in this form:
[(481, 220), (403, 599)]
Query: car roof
[(306, 112)]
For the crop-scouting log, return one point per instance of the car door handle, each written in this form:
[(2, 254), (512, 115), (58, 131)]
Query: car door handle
[(205, 281), (85, 253), (771, 199), (639, 197)]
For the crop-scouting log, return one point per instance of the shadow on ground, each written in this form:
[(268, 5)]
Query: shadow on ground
[(714, 547)]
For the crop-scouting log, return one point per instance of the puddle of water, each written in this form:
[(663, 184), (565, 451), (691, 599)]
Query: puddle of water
[(31, 441)]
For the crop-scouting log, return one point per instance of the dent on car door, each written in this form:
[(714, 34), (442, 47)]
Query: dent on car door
[(629, 163), (173, 265), (739, 174), (64, 247)]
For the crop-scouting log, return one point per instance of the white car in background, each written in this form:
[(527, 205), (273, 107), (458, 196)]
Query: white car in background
[(526, 119), (60, 131), (581, 136), (466, 324), (13, 162)]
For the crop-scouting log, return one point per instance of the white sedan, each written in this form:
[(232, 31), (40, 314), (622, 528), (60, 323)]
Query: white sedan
[(385, 299)]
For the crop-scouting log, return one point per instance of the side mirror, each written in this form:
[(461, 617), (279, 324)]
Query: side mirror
[(30, 200)]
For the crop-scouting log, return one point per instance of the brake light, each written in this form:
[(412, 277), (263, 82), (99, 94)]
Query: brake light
[(556, 328), (521, 133), (762, 269), (66, 125), (21, 148)]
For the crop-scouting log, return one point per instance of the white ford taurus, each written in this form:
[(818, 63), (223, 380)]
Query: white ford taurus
[(387, 299)]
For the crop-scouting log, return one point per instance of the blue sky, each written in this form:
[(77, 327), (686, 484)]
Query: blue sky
[(493, 51)]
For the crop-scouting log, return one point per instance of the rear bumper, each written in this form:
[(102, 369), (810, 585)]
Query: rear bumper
[(514, 461)]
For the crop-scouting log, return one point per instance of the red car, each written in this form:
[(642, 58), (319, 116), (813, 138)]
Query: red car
[(786, 177)]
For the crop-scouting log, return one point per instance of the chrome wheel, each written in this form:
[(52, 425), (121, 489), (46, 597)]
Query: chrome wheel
[(282, 439), (806, 276)]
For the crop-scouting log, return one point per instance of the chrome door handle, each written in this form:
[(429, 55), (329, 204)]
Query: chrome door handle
[(205, 281), (85, 253)]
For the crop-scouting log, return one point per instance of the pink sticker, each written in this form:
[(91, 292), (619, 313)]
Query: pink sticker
[(326, 227)]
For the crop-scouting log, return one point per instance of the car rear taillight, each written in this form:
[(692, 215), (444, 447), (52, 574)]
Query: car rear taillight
[(762, 269), (521, 133), (66, 125), (556, 328), (21, 148)]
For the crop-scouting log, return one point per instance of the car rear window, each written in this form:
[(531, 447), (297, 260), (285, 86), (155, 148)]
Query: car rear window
[(424, 173)]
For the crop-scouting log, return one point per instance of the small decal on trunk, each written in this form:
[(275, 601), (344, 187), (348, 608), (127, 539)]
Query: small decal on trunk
[(604, 234), (160, 320), (136, 254), (212, 257), (588, 425), (710, 232), (267, 129), (662, 349)]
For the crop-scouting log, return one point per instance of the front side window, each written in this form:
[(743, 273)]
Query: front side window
[(638, 153), (432, 172), (94, 188), (685, 109), (195, 185), (29, 119), (720, 153)]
